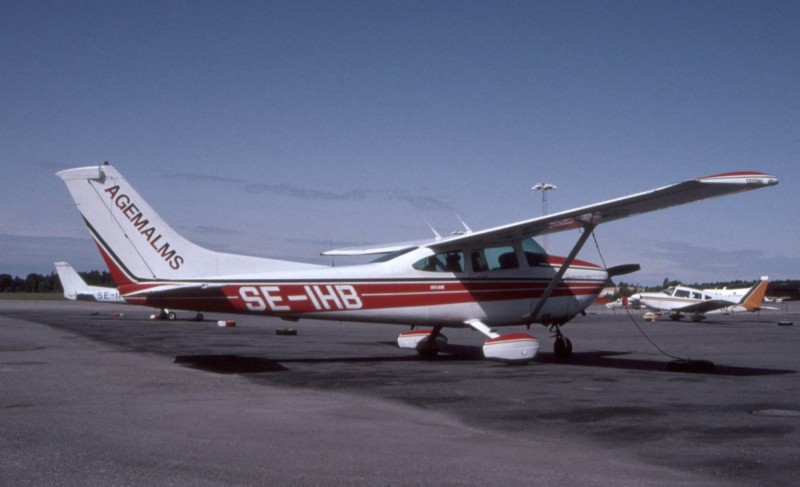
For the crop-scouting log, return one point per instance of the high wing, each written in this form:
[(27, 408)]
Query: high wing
[(591, 215), (616, 209)]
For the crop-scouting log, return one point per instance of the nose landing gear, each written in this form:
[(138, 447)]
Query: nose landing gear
[(562, 346)]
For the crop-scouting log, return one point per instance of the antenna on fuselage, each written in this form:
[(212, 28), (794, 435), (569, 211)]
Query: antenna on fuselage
[(464, 224), (438, 236)]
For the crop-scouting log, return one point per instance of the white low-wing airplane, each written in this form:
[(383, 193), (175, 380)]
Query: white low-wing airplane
[(681, 300), (481, 280), (75, 288)]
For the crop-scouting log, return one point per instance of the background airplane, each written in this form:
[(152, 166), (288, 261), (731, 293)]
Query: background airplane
[(622, 302), (683, 300), (75, 288), (481, 280)]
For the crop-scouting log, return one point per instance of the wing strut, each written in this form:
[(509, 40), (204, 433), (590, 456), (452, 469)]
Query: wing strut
[(481, 327), (518, 348), (588, 228)]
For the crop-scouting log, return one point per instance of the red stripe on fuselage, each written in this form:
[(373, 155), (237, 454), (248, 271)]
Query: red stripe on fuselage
[(281, 298)]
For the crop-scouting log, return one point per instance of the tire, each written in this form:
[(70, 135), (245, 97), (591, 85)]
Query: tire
[(562, 348)]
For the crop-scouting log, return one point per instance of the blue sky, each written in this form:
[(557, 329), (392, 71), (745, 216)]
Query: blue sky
[(283, 129)]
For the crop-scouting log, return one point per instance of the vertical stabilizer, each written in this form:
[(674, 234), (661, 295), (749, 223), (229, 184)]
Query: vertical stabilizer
[(138, 245), (755, 296), (70, 280)]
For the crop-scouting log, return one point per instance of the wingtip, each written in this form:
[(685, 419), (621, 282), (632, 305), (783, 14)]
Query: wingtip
[(748, 178)]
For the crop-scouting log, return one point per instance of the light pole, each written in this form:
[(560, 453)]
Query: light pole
[(544, 188)]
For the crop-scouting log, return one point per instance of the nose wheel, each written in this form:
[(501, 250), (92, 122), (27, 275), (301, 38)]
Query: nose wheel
[(562, 346)]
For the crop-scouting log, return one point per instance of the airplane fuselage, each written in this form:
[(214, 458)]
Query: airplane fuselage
[(394, 292), (102, 295), (675, 298)]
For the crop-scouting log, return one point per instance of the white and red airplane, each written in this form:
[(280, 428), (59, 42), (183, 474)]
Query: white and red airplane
[(479, 279), (683, 300)]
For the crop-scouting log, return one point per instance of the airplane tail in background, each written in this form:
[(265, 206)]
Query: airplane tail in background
[(72, 283), (755, 296), (75, 288), (138, 245)]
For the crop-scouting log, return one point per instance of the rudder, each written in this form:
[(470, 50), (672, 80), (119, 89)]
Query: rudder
[(70, 280), (755, 296)]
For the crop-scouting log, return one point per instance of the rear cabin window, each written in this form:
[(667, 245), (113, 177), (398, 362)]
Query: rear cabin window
[(494, 258), (452, 261)]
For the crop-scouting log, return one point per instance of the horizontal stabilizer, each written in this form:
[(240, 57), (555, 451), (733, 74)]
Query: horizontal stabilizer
[(621, 270), (374, 249)]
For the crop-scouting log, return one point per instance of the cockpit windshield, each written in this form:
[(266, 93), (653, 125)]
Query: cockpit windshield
[(534, 253), (532, 246)]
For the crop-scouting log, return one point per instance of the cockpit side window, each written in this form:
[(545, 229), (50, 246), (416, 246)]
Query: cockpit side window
[(494, 258), (681, 293), (451, 261), (478, 259)]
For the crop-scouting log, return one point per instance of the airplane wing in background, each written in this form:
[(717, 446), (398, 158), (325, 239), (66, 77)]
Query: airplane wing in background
[(705, 306)]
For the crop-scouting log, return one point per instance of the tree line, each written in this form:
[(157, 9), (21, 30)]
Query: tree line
[(39, 283)]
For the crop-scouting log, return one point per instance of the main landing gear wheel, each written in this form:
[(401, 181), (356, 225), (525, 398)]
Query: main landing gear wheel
[(429, 348), (562, 348), (168, 315), (428, 352), (427, 343)]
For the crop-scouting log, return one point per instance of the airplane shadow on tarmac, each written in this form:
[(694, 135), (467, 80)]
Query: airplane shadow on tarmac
[(609, 359), (238, 364)]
